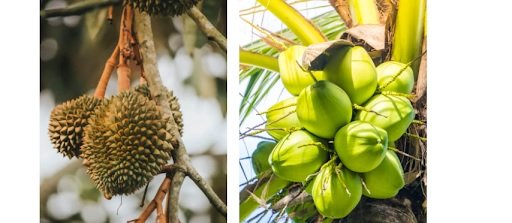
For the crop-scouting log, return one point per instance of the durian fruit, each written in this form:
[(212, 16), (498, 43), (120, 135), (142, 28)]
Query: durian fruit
[(67, 123), (173, 103), (126, 143), (163, 7)]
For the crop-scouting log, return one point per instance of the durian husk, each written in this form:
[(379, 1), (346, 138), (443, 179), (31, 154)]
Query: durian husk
[(126, 143), (67, 123), (173, 103), (162, 7)]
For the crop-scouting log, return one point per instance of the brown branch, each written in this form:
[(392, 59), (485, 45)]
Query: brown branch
[(105, 76), (207, 190), (78, 8), (152, 76), (208, 28), (294, 198), (155, 203)]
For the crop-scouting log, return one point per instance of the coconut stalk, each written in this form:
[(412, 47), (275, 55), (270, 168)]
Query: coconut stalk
[(408, 37), (306, 31), (259, 60), (364, 12), (264, 191)]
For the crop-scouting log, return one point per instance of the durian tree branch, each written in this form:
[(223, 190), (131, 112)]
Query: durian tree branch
[(159, 197), (78, 8), (107, 71), (180, 155), (208, 28)]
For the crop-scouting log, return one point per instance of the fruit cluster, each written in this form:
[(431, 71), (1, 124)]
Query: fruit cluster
[(336, 135), (124, 140)]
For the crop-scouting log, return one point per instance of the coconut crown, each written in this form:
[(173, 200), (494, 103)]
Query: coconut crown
[(163, 7), (126, 143), (67, 123)]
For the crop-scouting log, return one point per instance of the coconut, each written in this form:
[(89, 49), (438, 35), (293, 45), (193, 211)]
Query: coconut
[(386, 180), (294, 78), (392, 113), (336, 190), (282, 118), (361, 146), (298, 155), (395, 76), (260, 156), (323, 108), (353, 70)]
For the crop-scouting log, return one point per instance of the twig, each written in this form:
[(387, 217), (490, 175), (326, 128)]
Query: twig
[(207, 190), (78, 8), (159, 197), (152, 75), (105, 76), (207, 28)]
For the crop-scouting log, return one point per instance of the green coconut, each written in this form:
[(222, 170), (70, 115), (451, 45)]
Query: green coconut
[(298, 155), (282, 118), (361, 146), (392, 113), (353, 70), (260, 156), (336, 190), (395, 76), (323, 108), (386, 180), (294, 78)]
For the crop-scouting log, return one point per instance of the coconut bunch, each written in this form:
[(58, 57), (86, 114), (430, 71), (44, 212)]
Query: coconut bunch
[(163, 7), (335, 136)]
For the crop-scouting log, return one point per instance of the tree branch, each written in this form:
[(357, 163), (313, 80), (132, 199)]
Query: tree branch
[(207, 190), (208, 28), (78, 8), (179, 153), (156, 203)]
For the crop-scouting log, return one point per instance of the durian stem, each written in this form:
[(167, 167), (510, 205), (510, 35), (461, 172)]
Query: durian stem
[(123, 77), (105, 76), (126, 51), (159, 197), (110, 14)]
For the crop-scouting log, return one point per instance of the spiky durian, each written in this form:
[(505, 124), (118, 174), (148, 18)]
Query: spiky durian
[(126, 143), (163, 7), (173, 103), (67, 123)]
